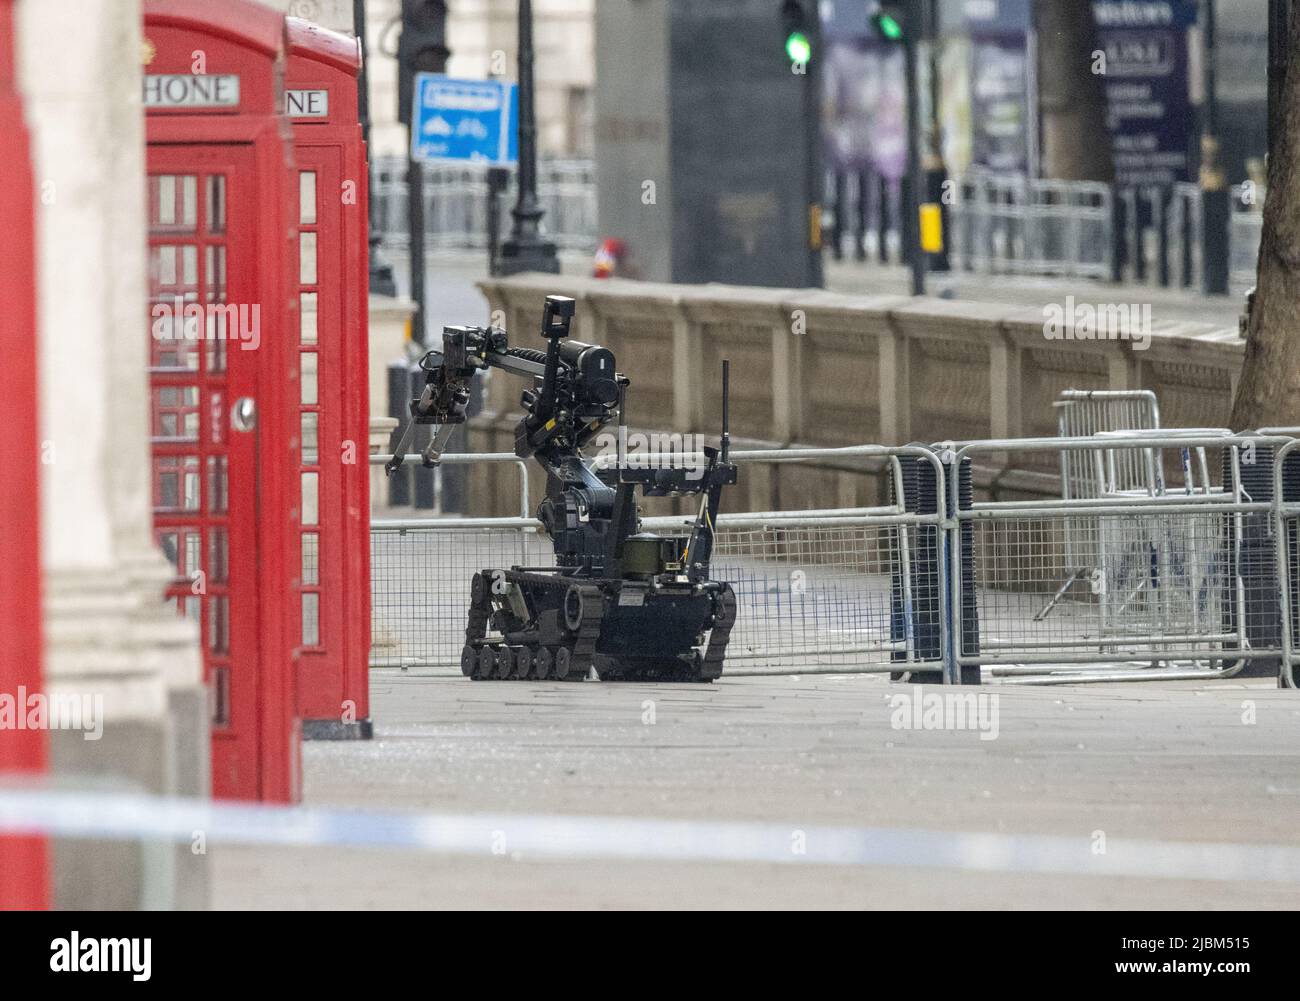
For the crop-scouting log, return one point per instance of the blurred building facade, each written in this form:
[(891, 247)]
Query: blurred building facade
[(482, 37)]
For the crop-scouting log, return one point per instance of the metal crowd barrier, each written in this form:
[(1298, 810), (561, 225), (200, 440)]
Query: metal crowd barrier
[(1286, 527), (829, 590), (1173, 584), (456, 204), (1011, 224), (1143, 578)]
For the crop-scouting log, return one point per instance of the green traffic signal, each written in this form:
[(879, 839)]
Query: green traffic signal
[(798, 47), (889, 28)]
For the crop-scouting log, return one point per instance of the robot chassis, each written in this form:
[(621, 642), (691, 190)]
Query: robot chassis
[(632, 605)]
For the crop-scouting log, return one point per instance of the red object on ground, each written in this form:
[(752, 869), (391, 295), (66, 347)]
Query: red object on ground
[(608, 258), (24, 864)]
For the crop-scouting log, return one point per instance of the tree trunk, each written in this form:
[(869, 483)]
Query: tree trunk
[(1071, 97), (1269, 391)]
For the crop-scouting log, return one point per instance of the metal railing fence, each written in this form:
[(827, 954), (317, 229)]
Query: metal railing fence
[(1141, 578), (1168, 584), (456, 204), (846, 589)]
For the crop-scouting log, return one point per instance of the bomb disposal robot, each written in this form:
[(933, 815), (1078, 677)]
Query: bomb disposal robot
[(635, 606)]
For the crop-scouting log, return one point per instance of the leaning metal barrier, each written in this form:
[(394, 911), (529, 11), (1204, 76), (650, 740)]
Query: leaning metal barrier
[(851, 589), (1179, 584)]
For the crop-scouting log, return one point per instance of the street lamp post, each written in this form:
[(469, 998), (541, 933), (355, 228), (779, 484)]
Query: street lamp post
[(526, 249)]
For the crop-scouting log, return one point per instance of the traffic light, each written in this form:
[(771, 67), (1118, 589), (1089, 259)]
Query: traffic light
[(421, 49), (798, 33), (889, 21)]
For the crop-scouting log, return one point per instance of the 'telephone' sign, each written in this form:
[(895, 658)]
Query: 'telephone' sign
[(186, 90), (307, 103)]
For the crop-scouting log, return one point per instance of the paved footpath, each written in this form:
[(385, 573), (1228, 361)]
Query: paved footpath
[(1174, 762)]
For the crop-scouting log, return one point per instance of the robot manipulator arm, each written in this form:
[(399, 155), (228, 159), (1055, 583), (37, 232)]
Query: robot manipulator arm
[(445, 396)]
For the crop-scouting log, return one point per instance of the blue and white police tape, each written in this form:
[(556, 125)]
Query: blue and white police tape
[(118, 816)]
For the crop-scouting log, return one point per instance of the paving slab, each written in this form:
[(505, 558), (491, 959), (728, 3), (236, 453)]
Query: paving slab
[(1170, 762)]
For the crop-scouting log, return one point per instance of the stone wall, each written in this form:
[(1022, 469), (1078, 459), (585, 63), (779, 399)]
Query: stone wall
[(818, 368)]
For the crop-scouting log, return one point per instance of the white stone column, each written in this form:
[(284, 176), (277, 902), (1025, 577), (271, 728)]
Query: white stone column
[(108, 630)]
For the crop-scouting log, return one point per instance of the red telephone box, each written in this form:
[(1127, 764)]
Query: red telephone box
[(23, 862), (223, 330), (334, 409)]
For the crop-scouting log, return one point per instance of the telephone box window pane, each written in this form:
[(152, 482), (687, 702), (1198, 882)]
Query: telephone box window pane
[(219, 624), (176, 482), (216, 261), (218, 556), (307, 305), (311, 619), (310, 452), (193, 608), (309, 363), (172, 203), (307, 258), (310, 559), (170, 543), (307, 198), (218, 499), (311, 498), (216, 356), (193, 554), (216, 203), (176, 413), (164, 265), (216, 418), (174, 355), (221, 696), (174, 270)]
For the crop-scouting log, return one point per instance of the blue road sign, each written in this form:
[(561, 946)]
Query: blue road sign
[(459, 121)]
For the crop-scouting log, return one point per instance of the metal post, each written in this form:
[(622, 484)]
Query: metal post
[(1215, 207), (1279, 18), (936, 171), (814, 179), (526, 249), (914, 182), (382, 281), (497, 179), (399, 484)]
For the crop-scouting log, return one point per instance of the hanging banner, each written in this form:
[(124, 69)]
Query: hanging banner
[(1149, 109), (865, 118), (1000, 75)]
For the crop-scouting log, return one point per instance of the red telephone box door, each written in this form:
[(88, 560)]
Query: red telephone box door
[(203, 384)]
